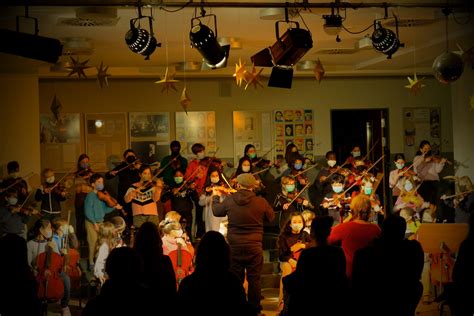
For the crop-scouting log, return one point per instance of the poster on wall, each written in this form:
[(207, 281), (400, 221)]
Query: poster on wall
[(294, 127), (60, 140), (251, 127), (196, 127), (150, 135), (106, 139), (422, 123)]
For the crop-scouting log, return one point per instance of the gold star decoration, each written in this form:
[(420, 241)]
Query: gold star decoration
[(472, 101), (239, 73), (415, 84), (185, 100), (319, 71), (102, 75), (56, 108), (168, 81), (253, 77), (78, 68)]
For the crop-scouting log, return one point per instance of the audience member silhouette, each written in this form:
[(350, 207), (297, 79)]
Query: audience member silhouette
[(123, 293), (212, 289), (158, 273), (18, 294), (319, 285), (389, 270)]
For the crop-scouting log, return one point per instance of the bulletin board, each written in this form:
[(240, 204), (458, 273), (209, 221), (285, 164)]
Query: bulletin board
[(421, 123), (150, 135), (196, 127), (106, 139), (294, 126), (252, 127), (60, 140)]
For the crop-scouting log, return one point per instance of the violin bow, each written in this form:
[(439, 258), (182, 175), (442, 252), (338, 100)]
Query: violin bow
[(304, 171), (371, 149), (266, 153), (166, 166), (456, 195), (63, 177), (128, 165), (409, 167), (225, 180), (29, 175), (301, 192), (363, 174), (209, 159), (260, 171)]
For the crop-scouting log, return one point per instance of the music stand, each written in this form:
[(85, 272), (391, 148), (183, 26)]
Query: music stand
[(436, 238)]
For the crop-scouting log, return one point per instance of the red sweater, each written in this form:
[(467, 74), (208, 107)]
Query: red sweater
[(353, 236)]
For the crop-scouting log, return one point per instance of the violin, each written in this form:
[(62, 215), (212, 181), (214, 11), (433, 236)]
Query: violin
[(58, 189), (338, 200), (220, 188), (50, 284), (294, 196), (26, 210), (107, 198)]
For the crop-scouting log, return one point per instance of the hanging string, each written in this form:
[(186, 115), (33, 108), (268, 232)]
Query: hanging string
[(166, 40), (414, 48), (184, 53), (447, 37)]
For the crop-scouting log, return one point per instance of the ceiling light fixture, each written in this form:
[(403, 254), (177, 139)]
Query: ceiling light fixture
[(385, 40), (332, 23), (138, 39)]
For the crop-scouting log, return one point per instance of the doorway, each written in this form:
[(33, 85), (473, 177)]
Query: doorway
[(367, 128)]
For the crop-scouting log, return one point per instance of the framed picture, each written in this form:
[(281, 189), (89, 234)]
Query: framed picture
[(196, 127)]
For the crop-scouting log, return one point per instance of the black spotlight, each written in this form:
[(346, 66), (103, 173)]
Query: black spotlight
[(385, 40), (139, 40), (205, 41)]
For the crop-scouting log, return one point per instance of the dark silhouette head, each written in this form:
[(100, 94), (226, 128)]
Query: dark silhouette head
[(14, 247), (321, 228), (148, 240), (393, 228), (124, 264), (213, 253)]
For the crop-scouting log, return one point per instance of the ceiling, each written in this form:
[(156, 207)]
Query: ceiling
[(422, 30)]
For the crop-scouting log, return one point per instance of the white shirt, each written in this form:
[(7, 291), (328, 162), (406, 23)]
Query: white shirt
[(427, 171), (99, 266)]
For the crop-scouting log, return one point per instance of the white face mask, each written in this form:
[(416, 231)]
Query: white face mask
[(14, 175), (408, 186), (12, 200), (337, 188), (297, 227), (50, 179), (332, 163), (399, 165), (215, 179), (356, 153), (200, 155), (245, 168)]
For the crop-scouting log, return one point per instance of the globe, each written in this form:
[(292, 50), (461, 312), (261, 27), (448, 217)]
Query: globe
[(448, 67)]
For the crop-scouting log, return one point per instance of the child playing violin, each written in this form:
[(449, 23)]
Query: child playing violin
[(245, 166), (409, 198), (13, 218), (296, 168), (336, 203), (366, 187), (285, 202), (396, 176), (51, 194), (182, 197), (292, 240)]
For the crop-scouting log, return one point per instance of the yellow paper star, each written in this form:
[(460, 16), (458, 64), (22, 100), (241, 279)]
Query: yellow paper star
[(102, 75), (78, 67), (253, 78), (239, 73), (168, 82), (472, 102), (185, 100), (415, 84), (319, 71)]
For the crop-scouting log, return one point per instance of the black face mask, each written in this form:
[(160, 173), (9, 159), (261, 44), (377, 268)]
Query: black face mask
[(175, 151), (130, 159)]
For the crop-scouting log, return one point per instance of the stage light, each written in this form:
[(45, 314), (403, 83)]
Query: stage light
[(139, 40), (332, 24), (385, 40), (205, 41)]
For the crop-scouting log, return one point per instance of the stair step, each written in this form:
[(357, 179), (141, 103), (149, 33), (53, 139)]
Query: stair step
[(270, 268), (270, 280)]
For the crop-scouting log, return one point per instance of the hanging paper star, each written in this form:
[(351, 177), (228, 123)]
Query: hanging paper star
[(168, 81), (319, 71), (78, 67), (102, 75), (253, 78), (415, 84), (56, 108), (472, 102), (185, 100), (239, 73)]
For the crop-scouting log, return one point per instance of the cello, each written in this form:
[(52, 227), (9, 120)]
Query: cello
[(50, 284)]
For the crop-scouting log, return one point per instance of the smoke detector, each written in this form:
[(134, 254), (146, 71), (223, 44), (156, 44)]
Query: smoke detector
[(91, 16)]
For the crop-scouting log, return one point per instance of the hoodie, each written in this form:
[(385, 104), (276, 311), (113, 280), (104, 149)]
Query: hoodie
[(246, 212)]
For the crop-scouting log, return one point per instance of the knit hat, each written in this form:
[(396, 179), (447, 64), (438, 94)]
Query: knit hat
[(246, 180)]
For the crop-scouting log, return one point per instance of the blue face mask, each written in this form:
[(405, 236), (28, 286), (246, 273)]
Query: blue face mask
[(368, 190), (337, 188), (298, 166), (289, 187), (252, 156), (99, 186)]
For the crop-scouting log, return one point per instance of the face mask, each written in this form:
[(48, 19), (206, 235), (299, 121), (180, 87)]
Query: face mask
[(14, 175), (337, 188), (297, 227), (252, 156), (178, 180), (298, 166), (289, 187), (332, 163), (245, 168), (146, 178), (130, 159), (84, 165), (399, 165), (48, 234), (356, 153), (99, 186), (408, 186), (12, 200), (215, 179), (50, 179), (368, 190), (200, 155)]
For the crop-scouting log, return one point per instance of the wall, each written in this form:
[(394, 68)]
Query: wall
[(463, 122), (19, 123), (135, 95)]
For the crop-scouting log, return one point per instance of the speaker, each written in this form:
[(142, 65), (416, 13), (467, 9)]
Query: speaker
[(30, 46), (281, 77)]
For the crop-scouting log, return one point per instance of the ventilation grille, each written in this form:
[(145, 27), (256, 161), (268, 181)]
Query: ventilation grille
[(82, 22)]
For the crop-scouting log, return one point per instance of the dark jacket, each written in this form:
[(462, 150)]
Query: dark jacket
[(127, 177), (183, 202), (56, 200), (246, 213), (286, 240)]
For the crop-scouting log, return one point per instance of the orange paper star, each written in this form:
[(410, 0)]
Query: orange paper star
[(319, 71), (253, 78), (185, 100), (415, 85), (102, 75), (239, 73), (78, 67), (168, 82)]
